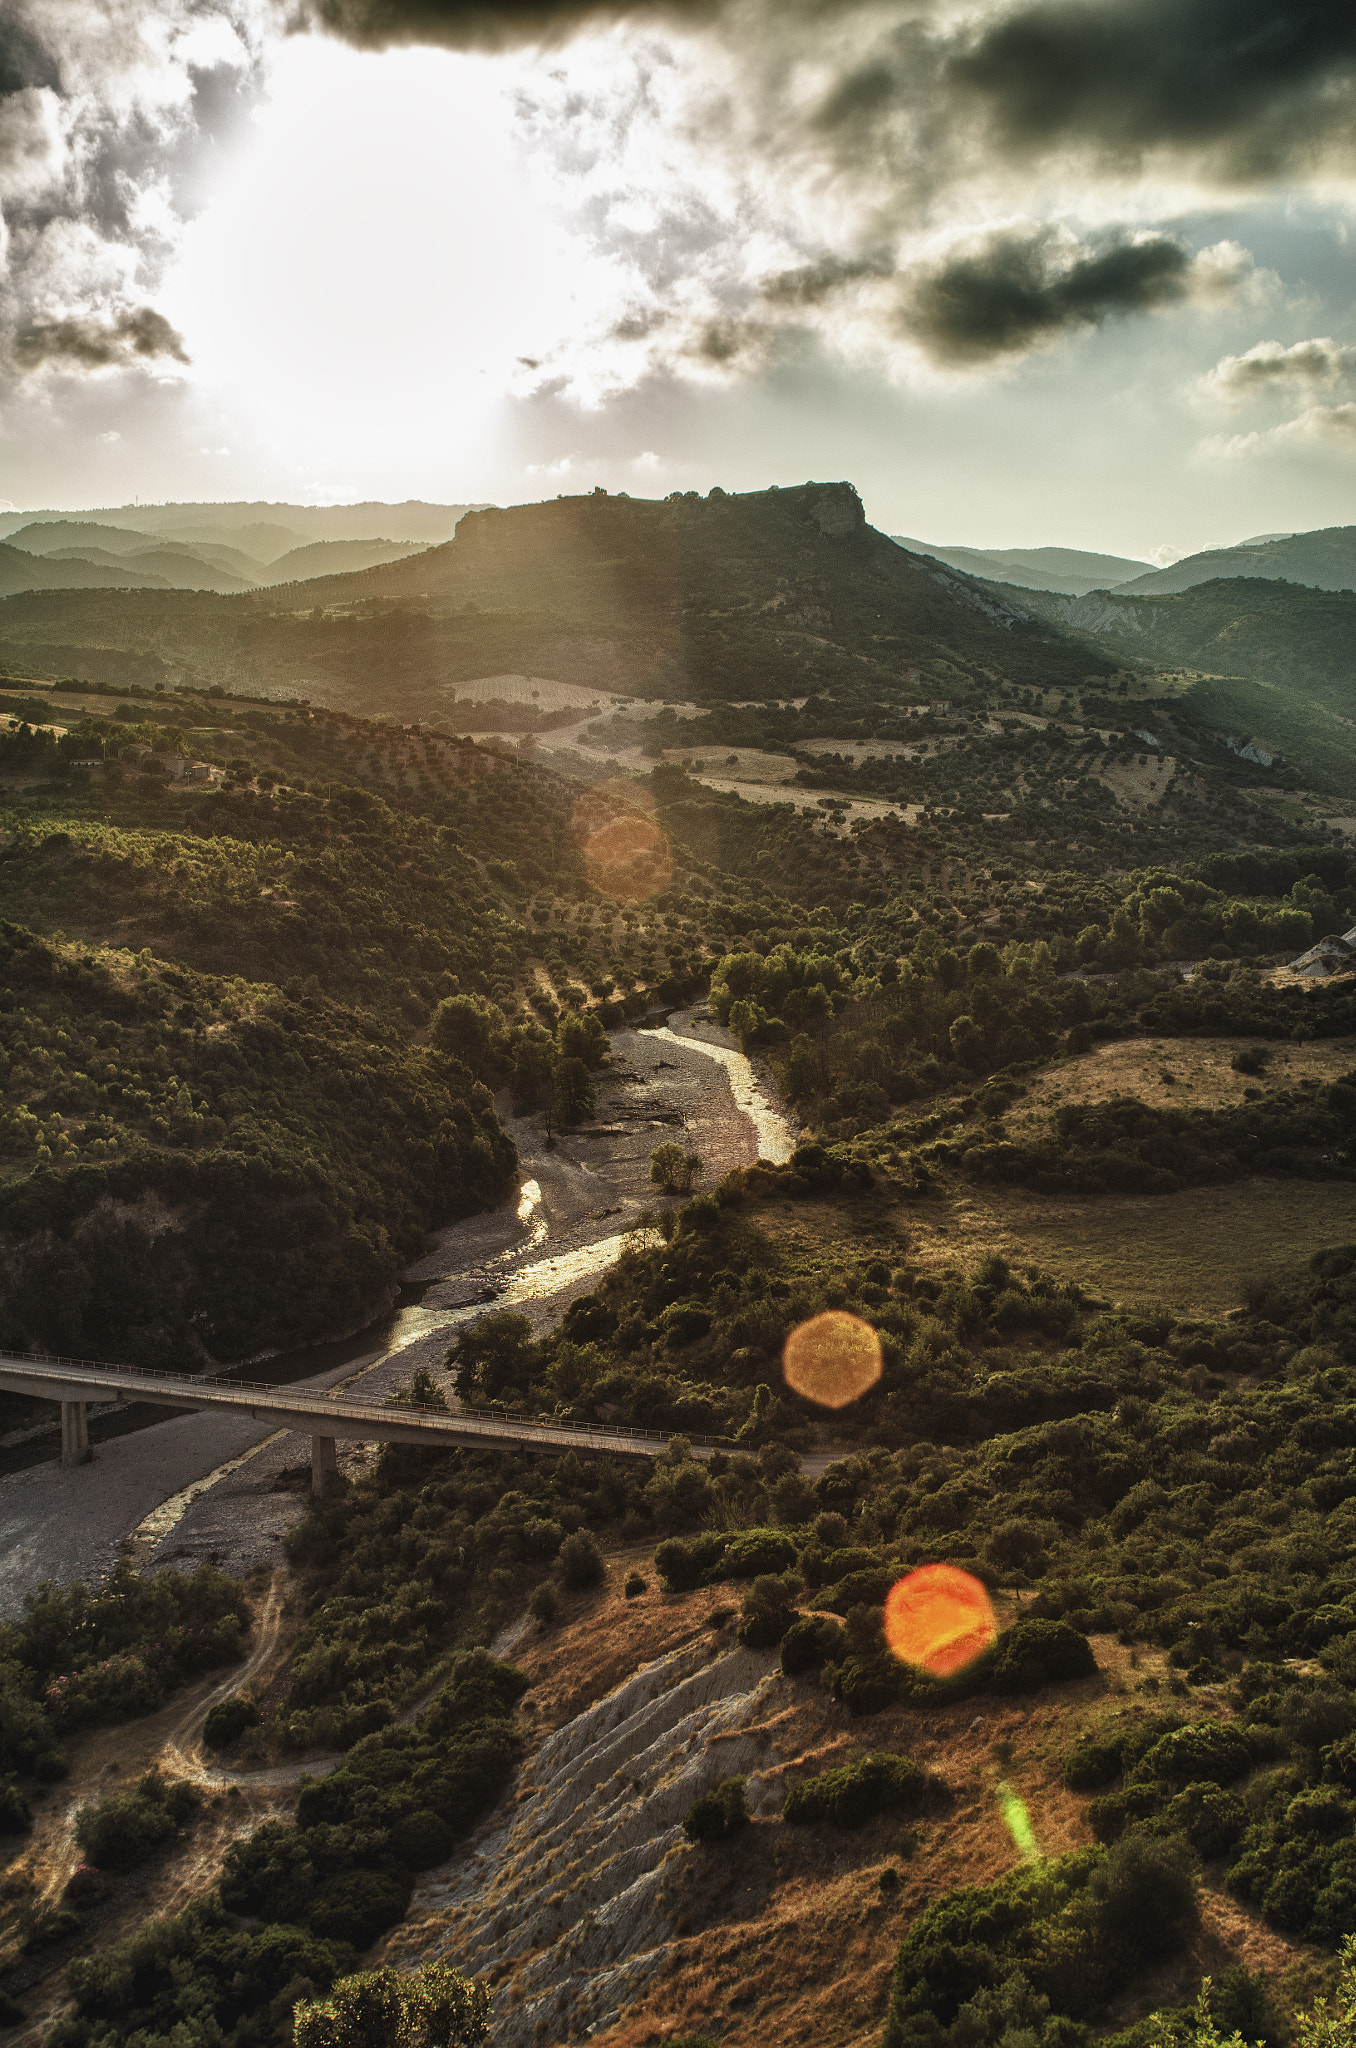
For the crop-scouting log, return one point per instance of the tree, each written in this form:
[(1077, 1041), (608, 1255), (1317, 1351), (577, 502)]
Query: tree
[(468, 1027), (576, 1096), (439, 2008), (675, 1170)]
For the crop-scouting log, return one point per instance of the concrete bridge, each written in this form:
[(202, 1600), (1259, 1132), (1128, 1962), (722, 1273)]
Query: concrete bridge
[(324, 1417)]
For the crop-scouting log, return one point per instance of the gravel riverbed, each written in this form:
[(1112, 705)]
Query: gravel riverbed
[(575, 1200)]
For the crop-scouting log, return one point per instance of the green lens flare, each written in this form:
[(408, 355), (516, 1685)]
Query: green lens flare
[(1018, 1821)]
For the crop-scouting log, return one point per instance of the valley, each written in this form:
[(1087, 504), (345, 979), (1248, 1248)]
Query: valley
[(545, 972)]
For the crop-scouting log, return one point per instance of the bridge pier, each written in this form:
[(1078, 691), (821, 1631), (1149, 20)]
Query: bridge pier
[(324, 1460), (74, 1432)]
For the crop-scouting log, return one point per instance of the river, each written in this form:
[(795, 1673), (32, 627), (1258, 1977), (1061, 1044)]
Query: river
[(209, 1481)]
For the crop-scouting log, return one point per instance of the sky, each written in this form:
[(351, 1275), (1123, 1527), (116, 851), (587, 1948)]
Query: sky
[(1026, 273)]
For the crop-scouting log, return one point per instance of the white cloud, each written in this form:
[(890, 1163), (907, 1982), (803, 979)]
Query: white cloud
[(1270, 366)]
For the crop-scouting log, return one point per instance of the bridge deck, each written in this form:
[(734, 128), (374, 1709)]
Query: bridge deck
[(320, 1415)]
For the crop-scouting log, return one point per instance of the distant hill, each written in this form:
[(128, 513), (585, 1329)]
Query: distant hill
[(1324, 559), (1279, 659), (262, 530), (336, 558), (773, 594), (20, 572), (1069, 570)]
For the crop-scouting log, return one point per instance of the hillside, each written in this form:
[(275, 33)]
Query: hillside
[(1071, 571), (1324, 560), (1279, 661), (777, 594), (20, 571)]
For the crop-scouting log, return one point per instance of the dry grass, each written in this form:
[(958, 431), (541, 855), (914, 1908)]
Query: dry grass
[(1180, 1073), (1193, 1251)]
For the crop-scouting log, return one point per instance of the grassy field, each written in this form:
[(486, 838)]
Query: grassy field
[(1196, 1250), (1182, 1073)]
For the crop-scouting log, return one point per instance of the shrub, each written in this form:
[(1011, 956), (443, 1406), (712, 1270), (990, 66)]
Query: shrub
[(121, 1832), (1212, 1819), (684, 1562), (718, 1815), (856, 1792), (635, 1585), (421, 1840), (810, 1642), (357, 1906), (544, 1603), (1203, 1750), (15, 1818), (768, 1612), (1146, 1892), (440, 2007), (1094, 1761), (581, 1561), (1034, 1653), (755, 1553), (228, 1720)]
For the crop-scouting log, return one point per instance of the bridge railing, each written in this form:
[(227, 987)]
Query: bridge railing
[(216, 1383)]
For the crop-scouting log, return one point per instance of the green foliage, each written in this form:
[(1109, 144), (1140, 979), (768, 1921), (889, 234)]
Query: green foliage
[(120, 1832), (153, 1987), (1074, 1930), (438, 2008), (303, 1147), (854, 1793), (229, 1719), (718, 1815), (581, 1561), (1035, 1653)]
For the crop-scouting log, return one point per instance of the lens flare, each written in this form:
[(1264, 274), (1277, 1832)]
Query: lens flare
[(832, 1359), (939, 1619), (626, 854), (1018, 1822)]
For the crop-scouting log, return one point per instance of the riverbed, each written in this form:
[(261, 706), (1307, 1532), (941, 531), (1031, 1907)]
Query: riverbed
[(215, 1487)]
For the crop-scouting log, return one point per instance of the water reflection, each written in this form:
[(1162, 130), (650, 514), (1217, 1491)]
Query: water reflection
[(775, 1142)]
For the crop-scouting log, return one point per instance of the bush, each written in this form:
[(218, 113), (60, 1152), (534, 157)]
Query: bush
[(544, 1603), (768, 1613), (121, 1832), (1031, 1654), (381, 2009), (581, 1561), (684, 1562), (1094, 1761), (1212, 1819), (421, 1840), (756, 1553), (1146, 1892), (15, 1818), (856, 1792), (635, 1585), (1203, 1750), (718, 1815), (812, 1641), (228, 1720), (357, 1906)]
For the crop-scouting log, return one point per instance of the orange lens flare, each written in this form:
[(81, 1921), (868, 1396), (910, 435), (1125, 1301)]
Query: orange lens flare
[(939, 1619), (832, 1359), (626, 854)]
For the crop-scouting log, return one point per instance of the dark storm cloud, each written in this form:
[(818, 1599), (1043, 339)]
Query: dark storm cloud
[(1012, 292), (139, 335), (486, 24), (814, 284), (1258, 85)]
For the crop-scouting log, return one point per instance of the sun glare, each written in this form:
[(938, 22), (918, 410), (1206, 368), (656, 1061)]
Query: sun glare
[(939, 1619)]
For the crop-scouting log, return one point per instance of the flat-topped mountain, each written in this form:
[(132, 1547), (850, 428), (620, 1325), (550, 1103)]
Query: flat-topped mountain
[(769, 594)]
